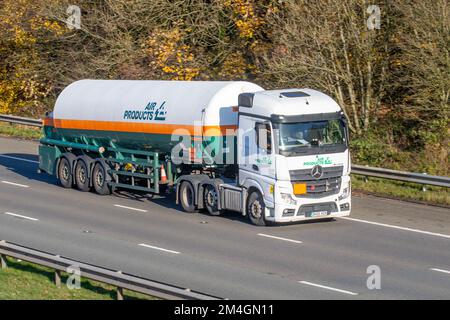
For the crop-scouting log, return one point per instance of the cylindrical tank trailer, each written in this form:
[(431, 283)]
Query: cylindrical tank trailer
[(144, 114)]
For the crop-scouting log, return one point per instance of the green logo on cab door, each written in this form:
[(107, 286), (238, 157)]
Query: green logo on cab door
[(151, 112)]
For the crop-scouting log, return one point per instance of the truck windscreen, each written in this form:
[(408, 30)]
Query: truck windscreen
[(311, 137)]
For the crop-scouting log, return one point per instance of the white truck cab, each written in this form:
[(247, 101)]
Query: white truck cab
[(293, 156)]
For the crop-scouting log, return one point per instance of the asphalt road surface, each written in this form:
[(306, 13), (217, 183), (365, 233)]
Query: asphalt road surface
[(226, 256)]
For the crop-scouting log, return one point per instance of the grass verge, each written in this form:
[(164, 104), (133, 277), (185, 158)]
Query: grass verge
[(402, 190), (26, 281), (20, 131)]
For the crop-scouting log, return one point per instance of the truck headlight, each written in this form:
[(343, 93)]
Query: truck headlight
[(345, 193), (287, 198)]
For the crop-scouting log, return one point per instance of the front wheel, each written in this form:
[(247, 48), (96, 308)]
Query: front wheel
[(187, 197), (256, 209)]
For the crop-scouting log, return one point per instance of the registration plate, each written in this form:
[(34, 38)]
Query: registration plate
[(317, 213)]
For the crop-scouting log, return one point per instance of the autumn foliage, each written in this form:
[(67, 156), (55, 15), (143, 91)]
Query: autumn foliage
[(393, 82)]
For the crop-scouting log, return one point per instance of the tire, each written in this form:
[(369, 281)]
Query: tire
[(187, 197), (211, 199), (82, 176), (99, 181), (65, 173), (256, 209)]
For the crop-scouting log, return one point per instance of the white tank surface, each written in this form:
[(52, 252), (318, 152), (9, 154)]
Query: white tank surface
[(148, 106)]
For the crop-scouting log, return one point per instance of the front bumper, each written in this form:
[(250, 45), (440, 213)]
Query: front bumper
[(309, 209)]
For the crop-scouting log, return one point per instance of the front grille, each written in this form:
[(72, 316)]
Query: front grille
[(307, 209), (329, 184)]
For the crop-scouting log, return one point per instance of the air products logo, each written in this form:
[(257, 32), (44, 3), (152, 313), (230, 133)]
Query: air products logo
[(151, 112), (318, 161)]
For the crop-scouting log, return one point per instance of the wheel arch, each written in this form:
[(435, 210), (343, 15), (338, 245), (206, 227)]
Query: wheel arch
[(250, 186)]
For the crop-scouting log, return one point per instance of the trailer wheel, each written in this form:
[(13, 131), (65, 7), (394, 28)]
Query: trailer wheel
[(211, 199), (256, 209), (82, 176), (65, 173), (99, 180), (187, 197)]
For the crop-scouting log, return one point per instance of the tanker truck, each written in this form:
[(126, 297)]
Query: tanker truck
[(272, 155)]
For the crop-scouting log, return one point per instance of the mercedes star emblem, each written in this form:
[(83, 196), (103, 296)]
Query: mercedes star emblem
[(317, 172)]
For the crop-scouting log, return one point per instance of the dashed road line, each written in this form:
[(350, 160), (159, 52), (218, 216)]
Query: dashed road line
[(328, 288), (15, 184), (20, 159), (158, 248), (129, 208), (440, 270), (278, 238), (20, 216), (398, 227)]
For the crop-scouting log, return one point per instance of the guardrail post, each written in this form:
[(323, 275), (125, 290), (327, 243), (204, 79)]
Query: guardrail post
[(3, 261), (119, 293), (424, 187), (58, 278), (119, 290)]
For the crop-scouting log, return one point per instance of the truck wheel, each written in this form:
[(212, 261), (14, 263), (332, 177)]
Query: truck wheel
[(65, 173), (256, 209), (187, 197), (211, 199), (82, 176), (99, 180)]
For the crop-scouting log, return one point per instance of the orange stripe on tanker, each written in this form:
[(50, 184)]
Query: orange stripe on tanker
[(155, 128)]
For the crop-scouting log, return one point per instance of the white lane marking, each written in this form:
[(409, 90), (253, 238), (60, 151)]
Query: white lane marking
[(15, 184), (157, 248), (278, 238), (398, 227), (328, 288), (440, 270), (20, 216), (20, 159), (129, 208)]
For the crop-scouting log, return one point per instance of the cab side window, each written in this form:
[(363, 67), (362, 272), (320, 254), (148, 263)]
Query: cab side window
[(263, 137)]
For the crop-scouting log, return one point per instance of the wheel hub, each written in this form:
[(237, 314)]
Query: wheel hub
[(65, 172), (211, 198), (82, 175), (256, 209), (99, 179)]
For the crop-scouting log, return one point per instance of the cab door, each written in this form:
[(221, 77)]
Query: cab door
[(255, 150)]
